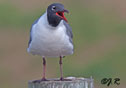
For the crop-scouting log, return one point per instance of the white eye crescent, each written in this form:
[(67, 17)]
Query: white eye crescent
[(53, 8)]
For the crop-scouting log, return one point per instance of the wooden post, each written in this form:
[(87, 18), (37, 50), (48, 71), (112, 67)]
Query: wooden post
[(71, 82)]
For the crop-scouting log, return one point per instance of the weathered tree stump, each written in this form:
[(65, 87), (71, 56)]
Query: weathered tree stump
[(70, 82)]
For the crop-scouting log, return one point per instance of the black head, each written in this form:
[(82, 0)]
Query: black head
[(55, 13)]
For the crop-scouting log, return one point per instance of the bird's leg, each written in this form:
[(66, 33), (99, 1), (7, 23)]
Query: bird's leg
[(44, 69), (61, 68), (43, 74)]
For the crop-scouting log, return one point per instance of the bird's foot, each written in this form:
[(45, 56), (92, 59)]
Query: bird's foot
[(62, 79), (44, 79), (38, 81)]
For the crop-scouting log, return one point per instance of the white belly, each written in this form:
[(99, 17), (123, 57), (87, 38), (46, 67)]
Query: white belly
[(50, 43)]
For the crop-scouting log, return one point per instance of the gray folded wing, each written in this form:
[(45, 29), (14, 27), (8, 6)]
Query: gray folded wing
[(69, 31), (31, 31)]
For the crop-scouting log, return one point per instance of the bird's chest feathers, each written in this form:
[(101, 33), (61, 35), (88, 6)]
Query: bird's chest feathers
[(52, 37)]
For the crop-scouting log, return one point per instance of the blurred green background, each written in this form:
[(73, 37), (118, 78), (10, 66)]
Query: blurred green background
[(99, 28)]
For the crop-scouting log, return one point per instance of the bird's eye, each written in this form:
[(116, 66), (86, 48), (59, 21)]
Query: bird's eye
[(53, 8)]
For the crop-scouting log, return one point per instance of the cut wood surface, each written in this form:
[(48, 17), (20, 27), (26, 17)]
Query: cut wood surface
[(70, 82)]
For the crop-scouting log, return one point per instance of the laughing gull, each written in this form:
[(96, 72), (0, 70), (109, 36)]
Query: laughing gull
[(51, 36)]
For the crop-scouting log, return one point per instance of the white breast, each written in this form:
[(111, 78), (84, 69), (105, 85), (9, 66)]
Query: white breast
[(49, 41)]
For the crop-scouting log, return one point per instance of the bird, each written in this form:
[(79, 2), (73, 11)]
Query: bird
[(51, 36)]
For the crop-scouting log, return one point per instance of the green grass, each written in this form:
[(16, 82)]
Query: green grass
[(10, 16), (110, 65)]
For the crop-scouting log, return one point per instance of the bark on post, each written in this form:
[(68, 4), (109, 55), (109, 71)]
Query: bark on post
[(72, 82)]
